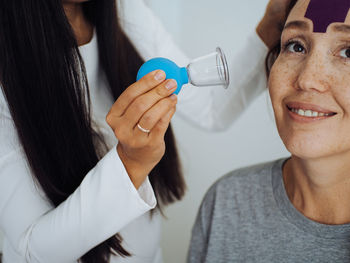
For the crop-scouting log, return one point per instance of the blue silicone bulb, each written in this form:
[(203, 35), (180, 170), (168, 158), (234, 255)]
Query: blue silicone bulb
[(171, 70)]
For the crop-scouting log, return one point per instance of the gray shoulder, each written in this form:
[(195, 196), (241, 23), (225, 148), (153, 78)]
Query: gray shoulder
[(251, 183), (258, 173)]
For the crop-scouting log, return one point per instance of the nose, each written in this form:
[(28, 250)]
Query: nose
[(314, 75)]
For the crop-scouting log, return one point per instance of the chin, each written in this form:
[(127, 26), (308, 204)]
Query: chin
[(308, 142), (308, 148), (306, 154)]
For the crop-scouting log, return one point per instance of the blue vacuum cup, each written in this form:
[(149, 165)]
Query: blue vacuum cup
[(171, 70), (208, 70)]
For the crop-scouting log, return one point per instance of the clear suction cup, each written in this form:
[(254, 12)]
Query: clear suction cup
[(209, 70)]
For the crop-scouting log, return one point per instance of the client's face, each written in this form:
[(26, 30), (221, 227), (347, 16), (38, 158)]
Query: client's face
[(309, 83)]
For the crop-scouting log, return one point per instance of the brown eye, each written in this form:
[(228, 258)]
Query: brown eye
[(295, 48), (345, 53)]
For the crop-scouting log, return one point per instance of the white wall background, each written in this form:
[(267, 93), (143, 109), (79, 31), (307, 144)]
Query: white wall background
[(198, 26)]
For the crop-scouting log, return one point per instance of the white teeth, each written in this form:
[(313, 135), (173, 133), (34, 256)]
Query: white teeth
[(301, 112), (309, 113)]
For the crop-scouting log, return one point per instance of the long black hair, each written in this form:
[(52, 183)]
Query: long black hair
[(44, 82)]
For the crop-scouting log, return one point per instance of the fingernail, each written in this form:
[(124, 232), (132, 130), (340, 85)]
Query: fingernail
[(171, 84), (160, 75), (173, 97)]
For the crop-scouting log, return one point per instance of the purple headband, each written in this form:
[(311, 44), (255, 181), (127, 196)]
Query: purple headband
[(322, 13)]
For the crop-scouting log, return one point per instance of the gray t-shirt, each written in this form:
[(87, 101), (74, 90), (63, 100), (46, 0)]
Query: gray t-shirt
[(247, 217)]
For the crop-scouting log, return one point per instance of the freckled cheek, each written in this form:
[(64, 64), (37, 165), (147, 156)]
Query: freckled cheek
[(342, 96), (280, 83), (341, 90)]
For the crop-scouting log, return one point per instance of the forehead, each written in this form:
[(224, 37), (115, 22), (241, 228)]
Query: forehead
[(319, 14)]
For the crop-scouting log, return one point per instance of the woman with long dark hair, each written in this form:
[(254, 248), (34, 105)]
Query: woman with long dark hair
[(67, 99)]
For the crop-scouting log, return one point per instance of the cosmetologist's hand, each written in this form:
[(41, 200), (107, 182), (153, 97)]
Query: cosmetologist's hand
[(149, 104), (271, 25)]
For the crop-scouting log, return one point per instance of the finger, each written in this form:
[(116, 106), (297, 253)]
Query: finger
[(148, 82), (158, 131), (143, 103), (154, 114)]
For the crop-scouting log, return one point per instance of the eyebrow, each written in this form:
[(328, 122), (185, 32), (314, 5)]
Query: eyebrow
[(298, 25), (341, 28), (305, 26)]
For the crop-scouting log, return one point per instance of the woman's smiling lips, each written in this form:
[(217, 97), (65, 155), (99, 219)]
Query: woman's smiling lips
[(306, 113)]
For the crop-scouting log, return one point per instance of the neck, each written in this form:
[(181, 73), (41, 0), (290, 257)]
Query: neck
[(83, 30), (319, 188)]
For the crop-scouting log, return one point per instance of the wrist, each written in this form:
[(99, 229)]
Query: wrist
[(136, 172)]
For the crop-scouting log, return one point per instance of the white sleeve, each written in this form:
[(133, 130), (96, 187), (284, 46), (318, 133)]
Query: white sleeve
[(209, 108), (101, 206)]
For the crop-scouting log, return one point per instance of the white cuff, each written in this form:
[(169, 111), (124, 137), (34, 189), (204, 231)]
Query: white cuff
[(145, 193)]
